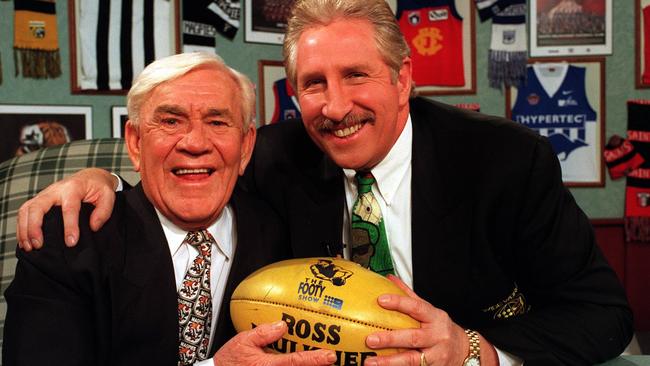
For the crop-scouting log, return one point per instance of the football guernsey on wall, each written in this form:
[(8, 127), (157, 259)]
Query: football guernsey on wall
[(554, 103), (434, 31), (286, 103)]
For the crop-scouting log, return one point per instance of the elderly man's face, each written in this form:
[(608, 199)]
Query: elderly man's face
[(190, 147), (350, 105)]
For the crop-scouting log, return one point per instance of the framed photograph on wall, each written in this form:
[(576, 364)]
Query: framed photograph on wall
[(27, 128), (278, 101), (440, 65), (642, 49), (564, 100), (104, 56), (266, 20), (119, 116), (570, 27)]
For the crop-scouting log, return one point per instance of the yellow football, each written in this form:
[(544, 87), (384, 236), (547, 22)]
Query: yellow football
[(327, 303)]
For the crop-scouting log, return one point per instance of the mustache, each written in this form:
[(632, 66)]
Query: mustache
[(350, 119)]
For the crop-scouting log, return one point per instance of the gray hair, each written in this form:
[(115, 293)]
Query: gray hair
[(173, 67), (314, 13)]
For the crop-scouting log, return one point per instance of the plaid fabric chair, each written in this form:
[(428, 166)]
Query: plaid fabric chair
[(23, 177)]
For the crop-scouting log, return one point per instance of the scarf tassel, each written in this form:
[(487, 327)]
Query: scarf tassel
[(38, 64), (506, 67)]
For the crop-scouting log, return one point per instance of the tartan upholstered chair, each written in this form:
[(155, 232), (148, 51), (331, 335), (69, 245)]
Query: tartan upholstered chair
[(22, 177)]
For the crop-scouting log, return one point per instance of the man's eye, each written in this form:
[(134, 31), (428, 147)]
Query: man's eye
[(356, 75), (313, 82), (169, 121)]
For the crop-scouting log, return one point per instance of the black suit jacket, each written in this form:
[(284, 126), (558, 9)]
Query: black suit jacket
[(111, 300), (493, 231)]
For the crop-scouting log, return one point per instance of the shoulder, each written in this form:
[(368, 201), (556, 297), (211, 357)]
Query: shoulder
[(465, 127)]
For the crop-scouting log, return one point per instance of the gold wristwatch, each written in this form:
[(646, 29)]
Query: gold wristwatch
[(474, 357)]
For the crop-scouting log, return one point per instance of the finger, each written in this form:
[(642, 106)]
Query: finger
[(403, 358), (70, 210), (305, 358), (263, 334), (34, 223), (21, 227), (402, 338), (103, 209), (404, 287), (416, 308)]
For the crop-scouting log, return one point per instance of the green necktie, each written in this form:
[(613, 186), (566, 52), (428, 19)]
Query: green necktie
[(369, 241)]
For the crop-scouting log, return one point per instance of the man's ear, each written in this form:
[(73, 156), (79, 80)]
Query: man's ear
[(132, 140), (248, 144), (405, 81)]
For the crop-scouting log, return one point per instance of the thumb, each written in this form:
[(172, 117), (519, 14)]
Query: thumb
[(264, 334)]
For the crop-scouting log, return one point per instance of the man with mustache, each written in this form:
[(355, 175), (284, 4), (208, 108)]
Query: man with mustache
[(477, 220)]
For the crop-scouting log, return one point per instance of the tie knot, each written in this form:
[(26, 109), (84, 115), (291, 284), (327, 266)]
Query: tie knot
[(196, 238), (365, 180)]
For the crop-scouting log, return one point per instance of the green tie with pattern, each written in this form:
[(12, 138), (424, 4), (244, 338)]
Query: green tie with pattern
[(369, 241)]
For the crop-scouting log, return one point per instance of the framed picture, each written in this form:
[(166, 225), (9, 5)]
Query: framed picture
[(570, 27), (564, 100), (266, 20), (278, 101), (642, 49), (119, 116), (104, 56), (466, 73), (27, 128)]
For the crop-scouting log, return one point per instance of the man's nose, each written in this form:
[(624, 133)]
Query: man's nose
[(337, 102), (195, 140)]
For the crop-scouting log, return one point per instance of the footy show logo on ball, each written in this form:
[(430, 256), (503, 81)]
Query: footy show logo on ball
[(324, 273), (326, 303)]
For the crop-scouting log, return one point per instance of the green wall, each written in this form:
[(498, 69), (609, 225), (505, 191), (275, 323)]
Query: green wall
[(597, 202)]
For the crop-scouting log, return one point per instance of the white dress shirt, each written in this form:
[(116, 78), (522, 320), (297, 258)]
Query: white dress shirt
[(393, 192), (225, 235)]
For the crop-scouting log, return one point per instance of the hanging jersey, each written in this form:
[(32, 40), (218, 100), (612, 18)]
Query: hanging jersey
[(286, 104), (433, 30), (646, 48), (554, 103)]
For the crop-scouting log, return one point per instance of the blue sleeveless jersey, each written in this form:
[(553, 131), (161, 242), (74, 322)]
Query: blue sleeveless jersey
[(565, 117), (285, 105)]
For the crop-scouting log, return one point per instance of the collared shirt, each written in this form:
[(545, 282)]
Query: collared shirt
[(393, 192), (225, 235)]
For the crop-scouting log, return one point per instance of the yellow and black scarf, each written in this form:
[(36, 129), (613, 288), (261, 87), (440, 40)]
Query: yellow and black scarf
[(36, 46)]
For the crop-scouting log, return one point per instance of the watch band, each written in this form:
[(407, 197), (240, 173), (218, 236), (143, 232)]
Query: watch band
[(474, 356)]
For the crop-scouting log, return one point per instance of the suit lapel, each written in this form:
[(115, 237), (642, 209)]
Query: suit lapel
[(316, 203), (439, 214), (145, 289)]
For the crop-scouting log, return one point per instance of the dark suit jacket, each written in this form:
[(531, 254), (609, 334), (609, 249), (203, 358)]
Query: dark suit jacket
[(112, 299), (489, 215)]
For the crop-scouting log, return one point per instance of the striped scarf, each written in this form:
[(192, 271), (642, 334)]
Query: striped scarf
[(36, 46)]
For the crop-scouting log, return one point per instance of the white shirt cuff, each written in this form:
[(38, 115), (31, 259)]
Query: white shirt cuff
[(120, 186), (506, 359)]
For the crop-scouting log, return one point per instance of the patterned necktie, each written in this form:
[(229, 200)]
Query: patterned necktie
[(195, 302), (369, 241)]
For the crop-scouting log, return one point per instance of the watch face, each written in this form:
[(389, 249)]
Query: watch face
[(472, 362)]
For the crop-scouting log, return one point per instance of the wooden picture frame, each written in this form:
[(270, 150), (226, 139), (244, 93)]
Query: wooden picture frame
[(466, 10), (642, 45), (566, 28), (577, 139), (264, 23), (272, 86), (113, 73), (27, 128), (119, 116)]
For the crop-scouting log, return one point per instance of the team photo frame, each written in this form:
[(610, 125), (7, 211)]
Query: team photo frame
[(570, 28), (571, 116), (104, 57), (27, 128), (265, 21)]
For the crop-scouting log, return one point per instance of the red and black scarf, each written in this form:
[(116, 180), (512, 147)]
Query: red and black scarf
[(637, 191)]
